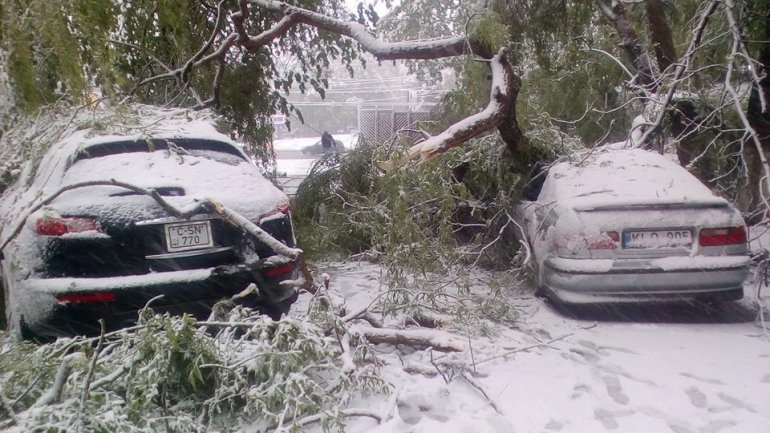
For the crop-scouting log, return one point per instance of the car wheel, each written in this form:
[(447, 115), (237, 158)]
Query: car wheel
[(537, 281)]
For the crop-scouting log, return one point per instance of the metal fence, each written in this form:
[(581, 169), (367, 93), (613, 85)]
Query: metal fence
[(378, 124)]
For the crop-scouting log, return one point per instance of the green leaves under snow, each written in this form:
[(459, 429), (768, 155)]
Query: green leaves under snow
[(172, 374)]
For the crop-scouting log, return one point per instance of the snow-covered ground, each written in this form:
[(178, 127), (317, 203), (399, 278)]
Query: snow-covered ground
[(638, 369)]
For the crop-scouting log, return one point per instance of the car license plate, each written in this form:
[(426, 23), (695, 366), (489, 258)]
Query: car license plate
[(657, 239), (188, 236)]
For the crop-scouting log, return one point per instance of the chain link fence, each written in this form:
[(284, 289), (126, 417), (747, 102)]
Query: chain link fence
[(378, 124)]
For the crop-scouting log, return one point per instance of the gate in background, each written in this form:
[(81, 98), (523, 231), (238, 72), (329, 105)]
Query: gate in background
[(378, 124)]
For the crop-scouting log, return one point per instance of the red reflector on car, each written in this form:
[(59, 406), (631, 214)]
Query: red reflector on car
[(282, 207), (278, 270), (605, 241), (722, 236), (50, 226), (76, 298)]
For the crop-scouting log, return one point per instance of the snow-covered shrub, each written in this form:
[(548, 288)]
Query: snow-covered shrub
[(176, 374)]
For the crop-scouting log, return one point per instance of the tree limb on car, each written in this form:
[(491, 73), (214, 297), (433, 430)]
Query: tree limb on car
[(207, 204), (502, 96)]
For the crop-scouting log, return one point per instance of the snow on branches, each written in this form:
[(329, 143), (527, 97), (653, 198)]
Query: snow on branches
[(504, 82), (456, 135)]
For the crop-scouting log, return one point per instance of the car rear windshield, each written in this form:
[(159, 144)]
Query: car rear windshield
[(212, 149)]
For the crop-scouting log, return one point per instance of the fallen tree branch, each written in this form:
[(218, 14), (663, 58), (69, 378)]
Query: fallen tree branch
[(238, 220), (91, 371), (503, 83), (359, 412), (418, 338), (480, 388), (207, 204), (363, 314), (62, 374), (7, 407), (125, 368), (112, 182)]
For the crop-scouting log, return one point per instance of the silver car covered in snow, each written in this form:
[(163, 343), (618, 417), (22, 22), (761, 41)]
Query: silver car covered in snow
[(632, 225)]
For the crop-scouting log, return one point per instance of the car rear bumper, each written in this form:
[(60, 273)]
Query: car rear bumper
[(597, 281), (191, 291)]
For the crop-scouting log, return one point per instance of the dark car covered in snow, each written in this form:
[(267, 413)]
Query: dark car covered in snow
[(318, 149), (103, 251), (632, 225)]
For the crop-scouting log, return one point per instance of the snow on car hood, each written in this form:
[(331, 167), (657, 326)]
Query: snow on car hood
[(628, 177)]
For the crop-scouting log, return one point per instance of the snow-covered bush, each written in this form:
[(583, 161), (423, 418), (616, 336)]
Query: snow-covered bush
[(176, 374)]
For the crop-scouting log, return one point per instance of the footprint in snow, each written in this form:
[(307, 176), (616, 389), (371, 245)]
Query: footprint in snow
[(716, 426), (615, 389), (554, 425), (697, 397), (766, 379), (589, 356), (702, 379), (735, 402), (600, 350), (678, 428), (579, 390), (607, 418)]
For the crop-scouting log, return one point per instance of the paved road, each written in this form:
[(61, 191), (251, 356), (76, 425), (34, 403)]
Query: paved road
[(295, 165)]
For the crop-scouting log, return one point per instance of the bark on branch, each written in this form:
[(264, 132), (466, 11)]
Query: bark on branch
[(505, 85), (292, 16), (426, 50), (499, 113), (419, 338), (647, 74)]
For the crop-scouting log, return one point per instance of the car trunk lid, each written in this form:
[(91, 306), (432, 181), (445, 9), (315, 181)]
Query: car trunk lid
[(652, 230)]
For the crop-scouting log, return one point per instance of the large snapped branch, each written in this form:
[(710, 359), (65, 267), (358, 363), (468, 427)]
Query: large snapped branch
[(292, 16), (440, 48), (504, 83)]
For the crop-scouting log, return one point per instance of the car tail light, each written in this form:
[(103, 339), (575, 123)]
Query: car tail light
[(722, 236), (79, 298), (282, 207), (51, 226), (605, 241), (278, 270)]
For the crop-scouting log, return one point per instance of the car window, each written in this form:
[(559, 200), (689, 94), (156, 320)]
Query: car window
[(212, 149)]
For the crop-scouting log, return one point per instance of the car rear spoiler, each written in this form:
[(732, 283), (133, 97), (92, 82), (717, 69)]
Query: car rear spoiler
[(712, 204)]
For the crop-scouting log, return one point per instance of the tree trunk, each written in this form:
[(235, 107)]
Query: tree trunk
[(660, 33), (630, 42), (760, 121), (509, 127)]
